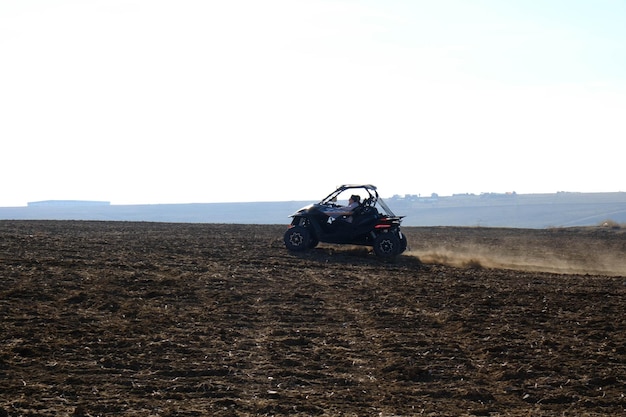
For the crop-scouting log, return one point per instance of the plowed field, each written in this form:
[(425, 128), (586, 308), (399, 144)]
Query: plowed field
[(156, 319)]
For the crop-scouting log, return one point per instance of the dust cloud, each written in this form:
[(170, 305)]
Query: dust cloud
[(478, 257), (553, 251)]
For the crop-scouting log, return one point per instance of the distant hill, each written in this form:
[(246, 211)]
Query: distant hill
[(488, 210), (514, 210)]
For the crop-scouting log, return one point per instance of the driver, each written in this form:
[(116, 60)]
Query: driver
[(353, 202)]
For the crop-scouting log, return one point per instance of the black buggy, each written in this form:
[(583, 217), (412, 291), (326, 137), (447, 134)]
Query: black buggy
[(371, 223)]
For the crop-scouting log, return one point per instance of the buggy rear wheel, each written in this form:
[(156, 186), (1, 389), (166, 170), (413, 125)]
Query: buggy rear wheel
[(387, 245), (297, 239)]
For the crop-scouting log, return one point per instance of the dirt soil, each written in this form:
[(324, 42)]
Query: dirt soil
[(157, 319)]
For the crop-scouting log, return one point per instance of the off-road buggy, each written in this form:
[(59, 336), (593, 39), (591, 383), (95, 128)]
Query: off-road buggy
[(371, 223)]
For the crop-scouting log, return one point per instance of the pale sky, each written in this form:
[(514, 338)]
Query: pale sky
[(147, 101)]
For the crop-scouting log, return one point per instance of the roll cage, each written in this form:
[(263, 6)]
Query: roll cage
[(373, 199)]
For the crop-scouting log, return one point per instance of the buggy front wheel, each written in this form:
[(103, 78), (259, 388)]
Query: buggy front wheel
[(297, 239)]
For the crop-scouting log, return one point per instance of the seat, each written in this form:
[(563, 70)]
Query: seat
[(364, 214)]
